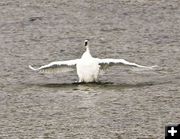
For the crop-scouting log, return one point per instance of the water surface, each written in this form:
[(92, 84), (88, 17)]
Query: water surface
[(125, 104)]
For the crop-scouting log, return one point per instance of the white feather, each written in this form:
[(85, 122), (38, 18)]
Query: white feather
[(57, 66), (87, 67)]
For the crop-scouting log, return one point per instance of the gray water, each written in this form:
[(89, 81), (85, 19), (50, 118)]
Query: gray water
[(125, 104)]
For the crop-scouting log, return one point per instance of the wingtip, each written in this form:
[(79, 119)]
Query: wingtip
[(153, 67), (31, 67)]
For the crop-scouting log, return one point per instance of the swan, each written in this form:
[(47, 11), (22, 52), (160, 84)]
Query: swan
[(87, 67)]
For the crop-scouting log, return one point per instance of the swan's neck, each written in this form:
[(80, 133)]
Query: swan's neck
[(87, 53), (87, 49)]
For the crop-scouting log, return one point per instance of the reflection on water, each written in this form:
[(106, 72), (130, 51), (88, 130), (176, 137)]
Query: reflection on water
[(103, 85), (87, 87)]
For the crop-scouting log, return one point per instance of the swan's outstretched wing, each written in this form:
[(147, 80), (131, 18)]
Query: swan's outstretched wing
[(57, 66), (105, 63)]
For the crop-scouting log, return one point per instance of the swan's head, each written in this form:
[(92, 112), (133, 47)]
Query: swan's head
[(86, 42)]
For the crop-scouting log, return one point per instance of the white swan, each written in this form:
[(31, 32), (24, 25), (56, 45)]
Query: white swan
[(87, 67)]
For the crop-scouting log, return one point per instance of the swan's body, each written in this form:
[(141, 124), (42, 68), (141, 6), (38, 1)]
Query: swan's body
[(87, 67)]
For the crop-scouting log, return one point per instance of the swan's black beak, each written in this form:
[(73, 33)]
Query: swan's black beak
[(86, 42)]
